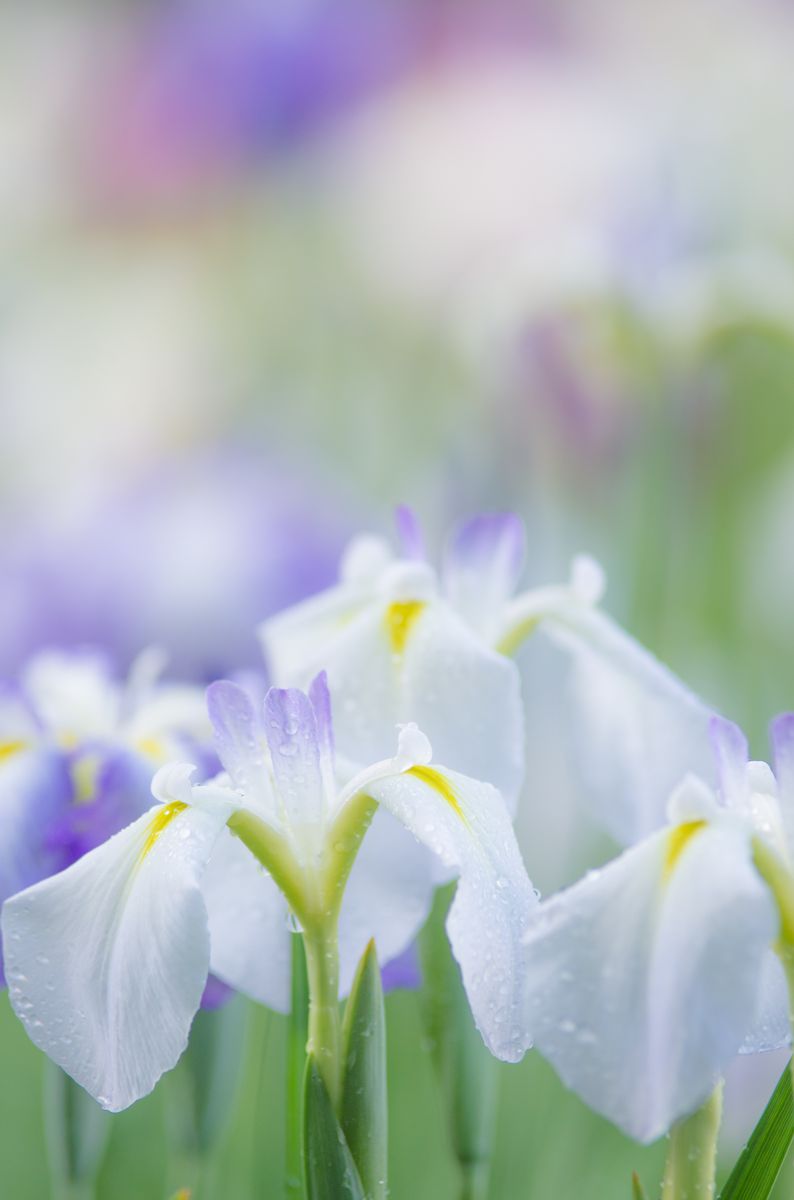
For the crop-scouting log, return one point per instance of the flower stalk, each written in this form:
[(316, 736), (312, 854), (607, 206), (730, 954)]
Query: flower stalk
[(691, 1165)]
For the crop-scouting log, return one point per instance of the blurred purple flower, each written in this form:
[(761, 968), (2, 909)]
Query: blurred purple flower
[(189, 559)]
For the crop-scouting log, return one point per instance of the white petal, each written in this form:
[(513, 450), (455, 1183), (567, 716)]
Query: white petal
[(402, 662), (248, 922), (295, 641), (636, 728), (388, 895), (643, 979), (466, 823), (771, 1027), (107, 961)]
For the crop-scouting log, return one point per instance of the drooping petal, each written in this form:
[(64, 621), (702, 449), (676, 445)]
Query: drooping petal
[(107, 961), (292, 735), (482, 567), (643, 978), (467, 824), (388, 895), (240, 742), (636, 728), (248, 921)]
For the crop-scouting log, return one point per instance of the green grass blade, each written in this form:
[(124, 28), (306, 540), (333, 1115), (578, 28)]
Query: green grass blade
[(363, 1111), (637, 1190), (759, 1164), (330, 1171), (297, 1035), (466, 1071)]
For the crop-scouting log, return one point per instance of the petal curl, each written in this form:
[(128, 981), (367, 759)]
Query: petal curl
[(467, 825)]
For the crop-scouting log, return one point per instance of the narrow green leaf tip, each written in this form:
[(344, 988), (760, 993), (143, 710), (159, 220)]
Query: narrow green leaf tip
[(758, 1166), (637, 1190), (364, 1108), (330, 1171)]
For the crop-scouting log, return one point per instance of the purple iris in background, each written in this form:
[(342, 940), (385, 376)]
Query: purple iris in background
[(78, 750), (201, 89), (188, 559)]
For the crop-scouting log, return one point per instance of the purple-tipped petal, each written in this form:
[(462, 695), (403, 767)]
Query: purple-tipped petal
[(320, 698), (482, 566), (731, 754), (781, 735), (409, 533), (238, 735), (291, 729)]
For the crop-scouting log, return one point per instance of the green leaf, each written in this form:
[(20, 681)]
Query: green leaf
[(467, 1072), (363, 1110), (759, 1164), (77, 1131), (637, 1190), (297, 1035), (330, 1171), (213, 1063)]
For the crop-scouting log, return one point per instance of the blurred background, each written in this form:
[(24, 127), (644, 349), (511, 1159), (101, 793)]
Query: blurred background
[(267, 269)]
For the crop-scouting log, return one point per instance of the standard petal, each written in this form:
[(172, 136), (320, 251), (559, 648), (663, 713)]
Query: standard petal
[(643, 979), (248, 922), (730, 753), (637, 729), (294, 742), (240, 742), (782, 737), (417, 661), (107, 961), (482, 567), (388, 895), (467, 824)]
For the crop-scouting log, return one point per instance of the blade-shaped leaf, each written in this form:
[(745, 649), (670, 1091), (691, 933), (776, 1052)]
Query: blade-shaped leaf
[(637, 1190), (364, 1105), (467, 1072), (330, 1172), (77, 1130), (759, 1164), (297, 1035), (213, 1062)]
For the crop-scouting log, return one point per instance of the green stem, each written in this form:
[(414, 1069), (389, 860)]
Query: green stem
[(692, 1155), (322, 963), (296, 1066), (474, 1180)]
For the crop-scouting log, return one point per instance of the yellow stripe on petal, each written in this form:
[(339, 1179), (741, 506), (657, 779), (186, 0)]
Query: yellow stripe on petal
[(159, 823), (677, 841), (440, 784), (400, 620), (7, 749)]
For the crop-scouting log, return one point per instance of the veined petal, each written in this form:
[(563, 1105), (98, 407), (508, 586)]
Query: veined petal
[(240, 742), (388, 895), (643, 978), (248, 921), (638, 730), (320, 699), (467, 824), (482, 567), (107, 961), (294, 743)]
